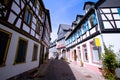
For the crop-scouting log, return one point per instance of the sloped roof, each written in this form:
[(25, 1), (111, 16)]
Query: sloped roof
[(53, 44), (96, 5), (89, 2), (64, 27)]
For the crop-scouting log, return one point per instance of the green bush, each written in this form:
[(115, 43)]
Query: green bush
[(118, 61), (109, 63), (111, 76), (109, 59)]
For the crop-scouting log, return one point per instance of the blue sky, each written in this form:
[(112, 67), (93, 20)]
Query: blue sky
[(63, 12)]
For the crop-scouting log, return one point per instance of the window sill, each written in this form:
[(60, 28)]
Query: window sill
[(19, 63)]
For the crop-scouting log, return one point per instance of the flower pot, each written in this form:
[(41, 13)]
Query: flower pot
[(81, 63)]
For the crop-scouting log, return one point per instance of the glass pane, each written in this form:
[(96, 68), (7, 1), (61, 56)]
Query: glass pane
[(26, 15), (109, 16), (21, 51), (85, 52), (95, 55), (86, 27), (114, 10), (118, 10), (94, 19), (35, 52), (107, 25), (116, 16), (103, 17), (118, 24), (3, 44), (29, 18), (33, 1), (106, 10)]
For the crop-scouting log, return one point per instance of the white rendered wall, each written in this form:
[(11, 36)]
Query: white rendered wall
[(9, 69), (112, 39), (90, 62), (52, 51)]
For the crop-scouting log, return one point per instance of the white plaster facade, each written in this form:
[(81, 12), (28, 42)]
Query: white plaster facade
[(10, 69), (12, 21)]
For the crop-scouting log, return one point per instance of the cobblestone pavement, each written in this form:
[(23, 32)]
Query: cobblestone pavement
[(61, 70), (82, 73)]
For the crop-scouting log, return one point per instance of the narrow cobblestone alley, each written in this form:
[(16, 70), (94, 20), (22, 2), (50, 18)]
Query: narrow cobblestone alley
[(61, 70)]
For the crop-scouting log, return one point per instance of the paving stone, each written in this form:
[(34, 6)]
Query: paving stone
[(61, 70)]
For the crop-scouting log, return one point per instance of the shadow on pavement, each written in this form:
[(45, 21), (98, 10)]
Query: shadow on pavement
[(53, 70), (59, 70)]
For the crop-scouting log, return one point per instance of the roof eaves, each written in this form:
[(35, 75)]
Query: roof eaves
[(83, 19)]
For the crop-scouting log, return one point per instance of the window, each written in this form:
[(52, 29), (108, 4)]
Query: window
[(79, 53), (85, 52), (38, 27), (75, 55), (21, 51), (86, 27), (5, 2), (79, 31), (3, 8), (33, 1), (35, 51), (118, 10), (4, 44), (93, 20), (28, 17), (75, 36), (43, 17), (40, 11), (96, 54)]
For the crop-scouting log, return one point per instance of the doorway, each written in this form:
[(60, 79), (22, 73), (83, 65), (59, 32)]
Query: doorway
[(41, 57), (75, 55)]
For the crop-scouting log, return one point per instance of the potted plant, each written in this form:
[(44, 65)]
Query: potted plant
[(81, 63)]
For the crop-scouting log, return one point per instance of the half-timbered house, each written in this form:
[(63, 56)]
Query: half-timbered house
[(60, 44), (100, 26), (25, 29)]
